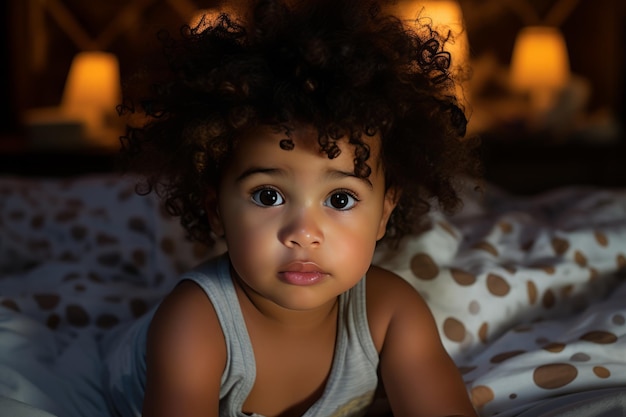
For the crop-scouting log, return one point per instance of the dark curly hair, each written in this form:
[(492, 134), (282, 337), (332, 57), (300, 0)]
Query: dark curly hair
[(345, 67)]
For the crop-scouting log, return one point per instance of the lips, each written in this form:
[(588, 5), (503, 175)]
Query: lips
[(301, 273)]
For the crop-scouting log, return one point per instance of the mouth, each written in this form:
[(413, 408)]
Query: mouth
[(301, 273)]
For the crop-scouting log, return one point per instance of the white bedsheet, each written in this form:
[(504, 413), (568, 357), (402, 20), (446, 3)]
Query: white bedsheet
[(529, 293)]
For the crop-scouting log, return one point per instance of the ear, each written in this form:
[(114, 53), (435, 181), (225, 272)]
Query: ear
[(213, 212), (392, 196)]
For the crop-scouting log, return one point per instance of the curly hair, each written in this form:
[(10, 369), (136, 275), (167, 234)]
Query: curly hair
[(344, 67)]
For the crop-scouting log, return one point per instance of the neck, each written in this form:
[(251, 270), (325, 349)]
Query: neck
[(258, 308)]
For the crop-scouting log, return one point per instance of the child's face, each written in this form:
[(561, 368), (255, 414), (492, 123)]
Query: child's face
[(300, 228)]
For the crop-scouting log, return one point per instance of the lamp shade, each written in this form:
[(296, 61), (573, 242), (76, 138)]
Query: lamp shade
[(92, 90), (540, 60)]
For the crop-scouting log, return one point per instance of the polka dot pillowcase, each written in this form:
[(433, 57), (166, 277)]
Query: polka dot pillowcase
[(529, 294)]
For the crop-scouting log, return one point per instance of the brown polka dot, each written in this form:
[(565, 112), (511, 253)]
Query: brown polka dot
[(487, 247), (137, 225), (109, 259), (53, 321), (47, 301), (423, 267), (621, 261), (462, 278), (549, 299), (506, 355), (601, 372), (74, 203), (506, 227), (531, 288), (99, 212), (38, 245), (580, 259), (567, 290), (79, 232), (599, 337), (139, 257), (554, 375), (17, 215), (526, 246), (104, 239), (168, 246), (79, 288), (130, 269), (138, 307), (619, 320), (580, 357), (497, 285), (510, 269), (448, 228), (481, 395), (554, 347), (37, 222), (69, 257), (76, 315), (593, 274), (95, 277), (482, 332), (10, 304), (559, 245), (601, 239), (513, 396), (454, 330), (106, 321)]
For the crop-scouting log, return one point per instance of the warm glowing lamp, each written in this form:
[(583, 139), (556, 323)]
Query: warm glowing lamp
[(444, 16), (92, 91), (540, 65)]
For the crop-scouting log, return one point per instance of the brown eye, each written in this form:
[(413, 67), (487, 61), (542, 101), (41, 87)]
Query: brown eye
[(341, 200), (267, 197)]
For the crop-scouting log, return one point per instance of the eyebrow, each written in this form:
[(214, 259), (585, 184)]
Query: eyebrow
[(332, 174)]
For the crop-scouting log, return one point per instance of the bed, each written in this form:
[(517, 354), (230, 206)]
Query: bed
[(529, 292)]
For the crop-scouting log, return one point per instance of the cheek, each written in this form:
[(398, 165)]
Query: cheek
[(355, 238), (246, 230)]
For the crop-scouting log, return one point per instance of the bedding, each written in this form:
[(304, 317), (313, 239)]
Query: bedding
[(528, 292)]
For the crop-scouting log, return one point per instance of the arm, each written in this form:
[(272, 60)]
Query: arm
[(420, 378), (185, 356)]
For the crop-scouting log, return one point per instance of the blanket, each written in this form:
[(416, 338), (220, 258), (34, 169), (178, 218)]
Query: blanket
[(528, 292)]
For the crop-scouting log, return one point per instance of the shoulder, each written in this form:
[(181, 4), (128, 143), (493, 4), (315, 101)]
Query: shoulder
[(185, 352), (186, 315), (391, 299), (388, 292)]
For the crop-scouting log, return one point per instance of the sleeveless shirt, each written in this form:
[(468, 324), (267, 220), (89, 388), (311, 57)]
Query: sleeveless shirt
[(350, 386)]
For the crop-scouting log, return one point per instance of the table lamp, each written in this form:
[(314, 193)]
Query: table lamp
[(92, 92), (540, 65)]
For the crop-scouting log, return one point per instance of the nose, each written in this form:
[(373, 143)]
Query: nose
[(302, 229)]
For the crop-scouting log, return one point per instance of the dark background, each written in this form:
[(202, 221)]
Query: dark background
[(36, 54)]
